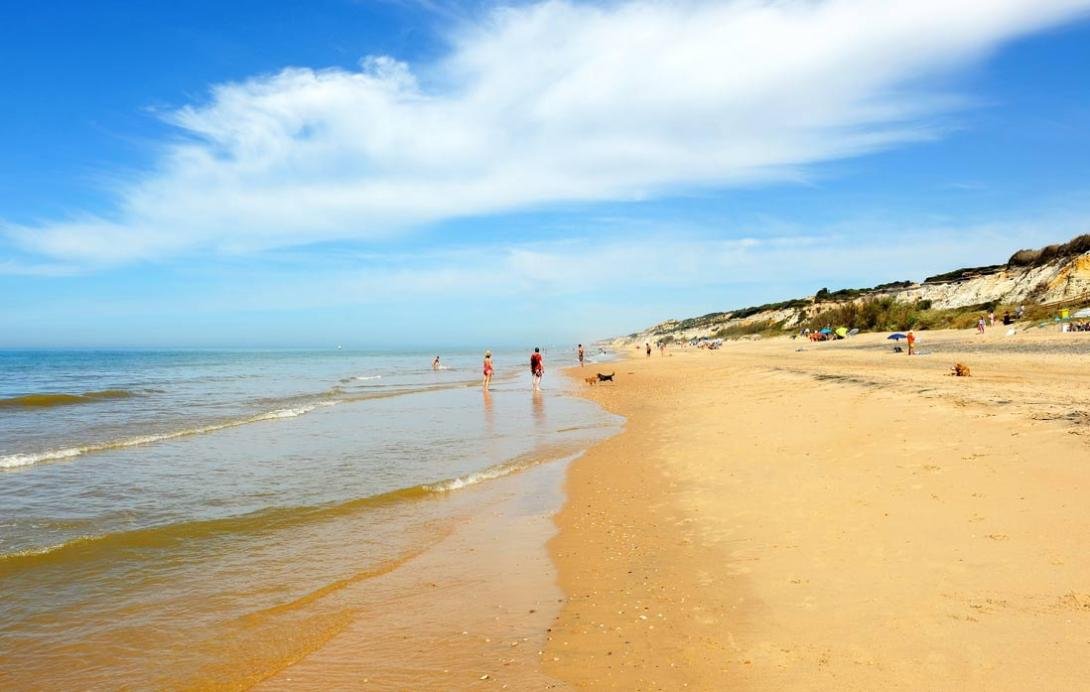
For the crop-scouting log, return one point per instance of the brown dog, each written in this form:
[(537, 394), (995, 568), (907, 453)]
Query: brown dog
[(960, 370), (593, 379)]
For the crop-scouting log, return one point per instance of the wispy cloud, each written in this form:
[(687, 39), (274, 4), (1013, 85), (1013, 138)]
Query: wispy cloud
[(503, 292), (545, 103), (15, 268), (847, 254)]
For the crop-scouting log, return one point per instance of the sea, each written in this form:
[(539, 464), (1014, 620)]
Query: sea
[(182, 519)]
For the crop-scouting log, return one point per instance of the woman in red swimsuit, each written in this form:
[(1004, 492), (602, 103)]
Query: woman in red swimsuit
[(487, 368)]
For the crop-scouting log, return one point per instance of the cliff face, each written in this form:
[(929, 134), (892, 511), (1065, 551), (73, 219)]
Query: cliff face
[(1058, 281)]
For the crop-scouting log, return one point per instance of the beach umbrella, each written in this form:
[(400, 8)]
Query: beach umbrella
[(897, 336)]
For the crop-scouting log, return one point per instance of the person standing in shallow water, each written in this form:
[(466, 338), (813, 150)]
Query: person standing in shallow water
[(435, 363), (487, 369), (537, 368), (580, 355)]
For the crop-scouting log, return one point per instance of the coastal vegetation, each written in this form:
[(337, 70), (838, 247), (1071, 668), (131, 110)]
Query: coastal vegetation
[(1035, 258), (826, 296), (745, 329), (770, 307), (1023, 259), (887, 313), (950, 300)]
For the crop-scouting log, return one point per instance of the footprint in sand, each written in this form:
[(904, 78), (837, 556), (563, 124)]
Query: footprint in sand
[(986, 605), (1079, 601)]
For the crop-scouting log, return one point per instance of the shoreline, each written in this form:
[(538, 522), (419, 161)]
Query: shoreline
[(389, 529), (469, 612), (780, 515), (472, 609)]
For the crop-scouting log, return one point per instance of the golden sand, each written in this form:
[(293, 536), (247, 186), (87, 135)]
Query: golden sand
[(775, 515), (834, 516)]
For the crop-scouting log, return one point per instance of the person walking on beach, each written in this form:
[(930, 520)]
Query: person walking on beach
[(648, 344), (537, 368), (487, 370), (580, 355), (1021, 311), (911, 342), (980, 325)]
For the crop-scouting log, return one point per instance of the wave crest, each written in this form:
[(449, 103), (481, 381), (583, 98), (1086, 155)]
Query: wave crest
[(12, 461), (167, 536), (52, 399)]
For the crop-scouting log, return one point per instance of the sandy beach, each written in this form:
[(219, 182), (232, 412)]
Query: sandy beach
[(782, 514)]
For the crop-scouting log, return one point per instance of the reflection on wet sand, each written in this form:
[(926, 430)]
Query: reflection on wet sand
[(539, 408), (489, 414)]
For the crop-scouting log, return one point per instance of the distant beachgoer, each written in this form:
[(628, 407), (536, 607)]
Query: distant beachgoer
[(911, 342), (435, 363), (537, 368), (580, 355), (1021, 311), (1007, 319), (648, 345), (980, 325), (487, 369), (991, 319)]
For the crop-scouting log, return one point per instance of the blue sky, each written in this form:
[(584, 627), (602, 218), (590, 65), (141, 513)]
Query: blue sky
[(417, 172)]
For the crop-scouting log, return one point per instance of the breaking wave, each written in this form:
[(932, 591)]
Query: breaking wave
[(295, 406), (117, 544), (11, 461)]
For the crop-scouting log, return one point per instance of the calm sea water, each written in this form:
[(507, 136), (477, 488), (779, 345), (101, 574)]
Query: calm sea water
[(173, 519)]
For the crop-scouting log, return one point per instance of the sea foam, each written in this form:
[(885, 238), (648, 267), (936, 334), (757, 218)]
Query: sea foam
[(12, 461)]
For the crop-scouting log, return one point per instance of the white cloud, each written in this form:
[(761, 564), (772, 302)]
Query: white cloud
[(553, 102), (851, 254)]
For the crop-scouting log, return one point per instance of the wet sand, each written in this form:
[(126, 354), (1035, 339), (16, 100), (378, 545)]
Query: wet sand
[(782, 514), (469, 612)]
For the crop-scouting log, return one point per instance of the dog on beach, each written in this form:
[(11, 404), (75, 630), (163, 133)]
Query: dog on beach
[(960, 370), (606, 378), (592, 380)]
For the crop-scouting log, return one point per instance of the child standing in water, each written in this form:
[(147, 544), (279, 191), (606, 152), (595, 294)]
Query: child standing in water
[(487, 369)]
